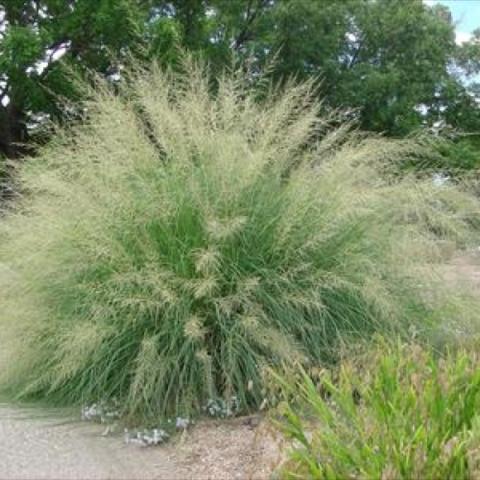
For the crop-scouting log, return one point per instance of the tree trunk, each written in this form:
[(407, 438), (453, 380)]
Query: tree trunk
[(13, 131)]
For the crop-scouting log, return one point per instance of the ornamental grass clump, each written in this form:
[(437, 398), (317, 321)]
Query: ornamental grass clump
[(400, 412), (191, 234)]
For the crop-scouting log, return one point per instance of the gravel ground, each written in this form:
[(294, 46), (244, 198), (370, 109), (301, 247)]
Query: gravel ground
[(40, 444)]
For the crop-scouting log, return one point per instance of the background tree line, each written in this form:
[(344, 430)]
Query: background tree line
[(393, 65)]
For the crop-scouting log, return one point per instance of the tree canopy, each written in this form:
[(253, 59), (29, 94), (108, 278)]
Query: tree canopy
[(392, 64)]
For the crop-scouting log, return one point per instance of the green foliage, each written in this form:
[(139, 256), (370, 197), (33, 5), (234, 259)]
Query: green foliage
[(87, 34), (399, 412), (380, 59), (459, 156), (164, 37), (19, 49), (167, 269)]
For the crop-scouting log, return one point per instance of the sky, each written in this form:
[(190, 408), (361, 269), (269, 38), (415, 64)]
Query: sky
[(466, 15)]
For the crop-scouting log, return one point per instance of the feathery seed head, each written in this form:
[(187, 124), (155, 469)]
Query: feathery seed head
[(194, 328)]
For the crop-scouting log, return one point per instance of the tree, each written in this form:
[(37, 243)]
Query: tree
[(380, 57), (393, 64), (34, 35), (390, 61)]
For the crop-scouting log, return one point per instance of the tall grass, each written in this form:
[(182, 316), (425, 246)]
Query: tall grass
[(167, 261), (404, 413)]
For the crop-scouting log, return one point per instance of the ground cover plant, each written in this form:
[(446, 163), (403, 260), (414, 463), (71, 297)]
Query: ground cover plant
[(399, 412), (190, 234)]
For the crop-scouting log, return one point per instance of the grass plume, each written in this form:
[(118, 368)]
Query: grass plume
[(169, 266)]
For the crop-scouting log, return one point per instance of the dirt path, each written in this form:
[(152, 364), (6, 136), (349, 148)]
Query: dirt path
[(54, 447)]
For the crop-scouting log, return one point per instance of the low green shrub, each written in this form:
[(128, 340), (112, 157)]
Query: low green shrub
[(403, 413), (460, 156), (180, 242)]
